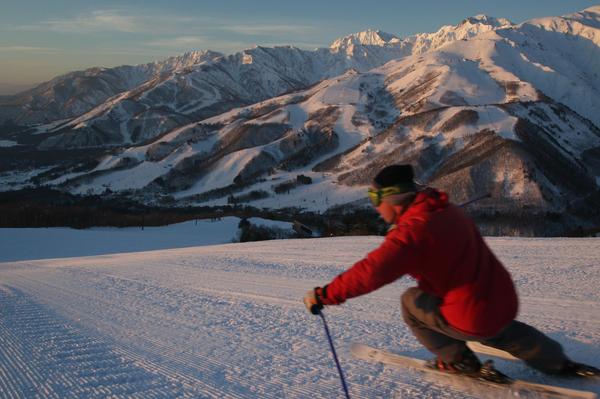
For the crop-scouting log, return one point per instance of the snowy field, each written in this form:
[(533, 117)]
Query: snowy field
[(63, 242), (226, 321)]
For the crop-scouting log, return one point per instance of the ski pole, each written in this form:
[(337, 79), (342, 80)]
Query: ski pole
[(469, 202), (337, 362)]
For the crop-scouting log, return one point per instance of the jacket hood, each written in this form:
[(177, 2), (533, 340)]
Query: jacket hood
[(426, 201)]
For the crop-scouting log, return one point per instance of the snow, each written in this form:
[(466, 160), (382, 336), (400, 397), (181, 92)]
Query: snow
[(224, 172), (496, 119), (349, 135), (48, 127), (227, 321), (143, 173), (297, 116), (366, 38), (17, 179), (318, 196), (8, 143), (44, 243), (133, 178), (342, 91), (100, 110), (339, 94)]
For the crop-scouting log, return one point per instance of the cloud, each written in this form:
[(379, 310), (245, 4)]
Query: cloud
[(100, 20), (133, 21), (177, 31), (119, 20)]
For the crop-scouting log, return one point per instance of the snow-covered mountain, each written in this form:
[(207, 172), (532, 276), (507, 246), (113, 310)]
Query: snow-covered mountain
[(483, 106), (482, 135), (74, 93), (110, 105)]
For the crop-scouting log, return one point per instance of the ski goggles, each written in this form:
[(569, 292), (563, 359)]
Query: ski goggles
[(377, 195)]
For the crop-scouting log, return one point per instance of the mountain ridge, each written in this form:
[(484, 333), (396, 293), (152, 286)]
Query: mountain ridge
[(356, 56)]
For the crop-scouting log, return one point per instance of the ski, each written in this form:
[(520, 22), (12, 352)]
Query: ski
[(486, 350), (519, 388)]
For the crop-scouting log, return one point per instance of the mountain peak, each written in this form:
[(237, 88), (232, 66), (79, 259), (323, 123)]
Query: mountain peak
[(366, 38), (196, 57), (593, 9), (590, 16), (486, 20), (187, 59)]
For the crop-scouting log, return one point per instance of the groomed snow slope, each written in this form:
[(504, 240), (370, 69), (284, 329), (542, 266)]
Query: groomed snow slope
[(227, 321)]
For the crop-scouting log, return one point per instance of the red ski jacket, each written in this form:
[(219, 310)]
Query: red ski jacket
[(437, 244)]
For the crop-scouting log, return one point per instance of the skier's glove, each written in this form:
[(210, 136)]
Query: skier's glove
[(312, 300)]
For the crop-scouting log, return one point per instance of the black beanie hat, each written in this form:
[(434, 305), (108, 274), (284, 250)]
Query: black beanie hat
[(396, 175)]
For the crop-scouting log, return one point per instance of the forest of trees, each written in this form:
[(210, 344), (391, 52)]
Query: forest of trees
[(43, 207)]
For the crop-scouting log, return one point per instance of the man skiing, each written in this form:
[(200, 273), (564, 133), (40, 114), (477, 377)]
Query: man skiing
[(464, 293)]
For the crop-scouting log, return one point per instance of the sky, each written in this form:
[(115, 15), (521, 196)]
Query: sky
[(43, 39)]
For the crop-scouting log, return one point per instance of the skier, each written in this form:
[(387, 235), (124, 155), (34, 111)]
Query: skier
[(464, 293)]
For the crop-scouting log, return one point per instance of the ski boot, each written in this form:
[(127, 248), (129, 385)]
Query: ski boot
[(489, 373), (468, 364), (573, 369)]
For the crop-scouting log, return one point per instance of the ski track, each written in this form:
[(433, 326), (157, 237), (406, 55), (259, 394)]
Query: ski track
[(227, 322)]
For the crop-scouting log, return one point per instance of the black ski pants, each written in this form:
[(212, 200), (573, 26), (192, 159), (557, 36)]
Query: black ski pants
[(421, 313)]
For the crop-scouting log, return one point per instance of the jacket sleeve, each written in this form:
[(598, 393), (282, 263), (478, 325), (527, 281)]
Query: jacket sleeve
[(397, 255)]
